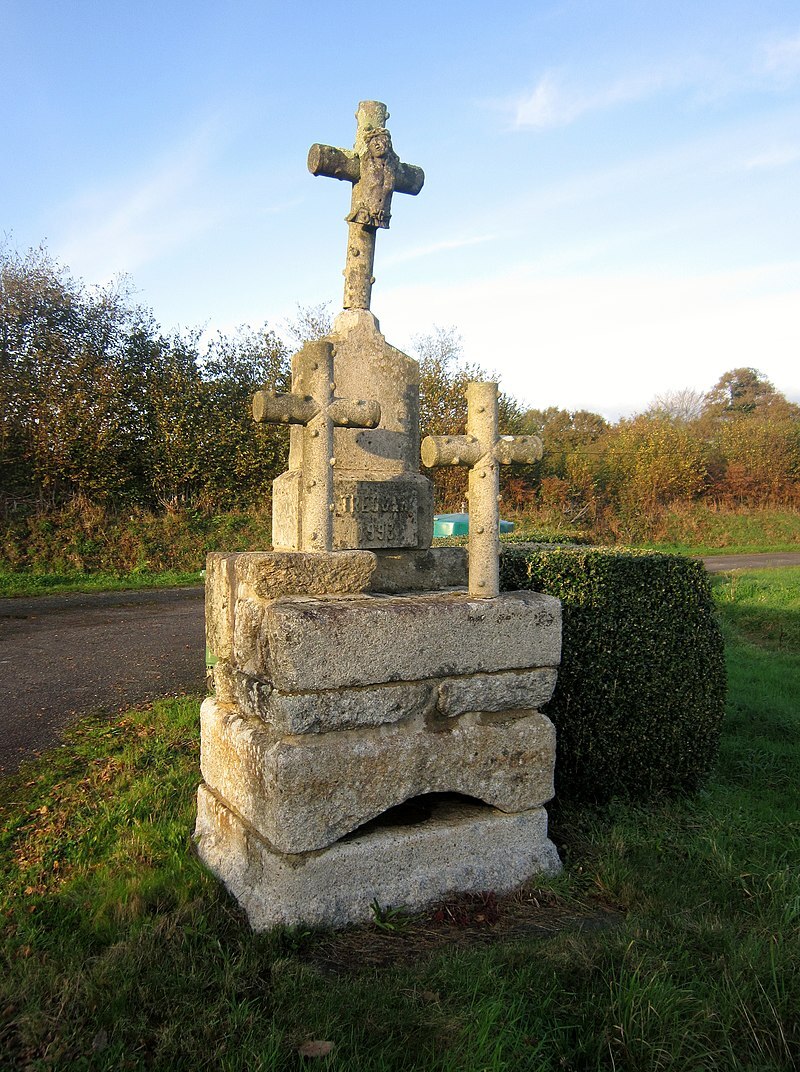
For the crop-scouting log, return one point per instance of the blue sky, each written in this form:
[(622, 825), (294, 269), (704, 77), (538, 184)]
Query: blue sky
[(611, 199)]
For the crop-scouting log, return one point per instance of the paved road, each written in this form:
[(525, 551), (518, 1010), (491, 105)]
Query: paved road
[(720, 563), (61, 656)]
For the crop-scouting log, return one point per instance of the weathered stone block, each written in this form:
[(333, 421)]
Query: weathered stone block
[(332, 709), (335, 643), (462, 848), (305, 792), (504, 691), (427, 570)]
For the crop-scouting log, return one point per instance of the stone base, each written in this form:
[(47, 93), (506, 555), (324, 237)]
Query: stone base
[(461, 848)]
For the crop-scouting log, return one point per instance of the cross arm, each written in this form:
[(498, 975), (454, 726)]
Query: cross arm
[(269, 408), (518, 450), (409, 179), (334, 163), (441, 450), (354, 413)]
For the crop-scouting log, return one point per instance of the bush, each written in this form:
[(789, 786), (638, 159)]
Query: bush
[(641, 689)]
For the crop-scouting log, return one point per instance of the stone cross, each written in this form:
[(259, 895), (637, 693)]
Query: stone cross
[(312, 403), (376, 172), (484, 451)]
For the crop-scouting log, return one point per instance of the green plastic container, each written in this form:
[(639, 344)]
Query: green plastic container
[(458, 525)]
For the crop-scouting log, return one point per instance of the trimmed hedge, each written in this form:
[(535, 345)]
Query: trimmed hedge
[(641, 689)]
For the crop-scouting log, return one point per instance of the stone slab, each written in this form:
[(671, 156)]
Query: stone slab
[(305, 792), (307, 644), (504, 691), (332, 709), (273, 574), (425, 570), (461, 849)]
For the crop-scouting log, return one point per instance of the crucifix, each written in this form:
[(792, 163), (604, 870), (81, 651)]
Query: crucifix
[(376, 172), (483, 450), (313, 404)]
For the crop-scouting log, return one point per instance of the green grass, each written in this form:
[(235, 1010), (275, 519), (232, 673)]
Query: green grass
[(27, 583), (701, 529), (671, 941)]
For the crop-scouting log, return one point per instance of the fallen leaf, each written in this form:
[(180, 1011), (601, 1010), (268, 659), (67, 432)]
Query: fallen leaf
[(315, 1048)]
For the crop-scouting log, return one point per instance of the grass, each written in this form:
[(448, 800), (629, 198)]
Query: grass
[(671, 941), (702, 529), (27, 583)]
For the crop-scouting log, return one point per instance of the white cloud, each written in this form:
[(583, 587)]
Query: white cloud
[(436, 247), (554, 104), (773, 158), (782, 58)]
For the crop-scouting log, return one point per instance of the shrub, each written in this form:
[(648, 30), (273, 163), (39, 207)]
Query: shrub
[(641, 689)]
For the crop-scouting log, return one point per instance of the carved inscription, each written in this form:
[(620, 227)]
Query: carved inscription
[(377, 516)]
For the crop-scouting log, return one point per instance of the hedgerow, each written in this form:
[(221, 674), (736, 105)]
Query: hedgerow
[(641, 688)]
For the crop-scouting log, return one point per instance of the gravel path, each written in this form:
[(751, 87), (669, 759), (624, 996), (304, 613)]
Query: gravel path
[(63, 656)]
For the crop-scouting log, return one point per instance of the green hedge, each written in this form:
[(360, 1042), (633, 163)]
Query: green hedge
[(641, 688)]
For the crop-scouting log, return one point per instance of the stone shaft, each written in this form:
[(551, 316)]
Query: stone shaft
[(483, 451)]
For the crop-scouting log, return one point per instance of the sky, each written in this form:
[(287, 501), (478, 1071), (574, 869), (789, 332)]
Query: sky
[(610, 210)]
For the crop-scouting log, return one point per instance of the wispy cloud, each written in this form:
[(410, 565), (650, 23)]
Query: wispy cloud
[(437, 247), (773, 158), (555, 103), (127, 224), (782, 57)]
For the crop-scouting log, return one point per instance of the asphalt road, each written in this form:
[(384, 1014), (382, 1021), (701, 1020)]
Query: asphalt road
[(63, 656)]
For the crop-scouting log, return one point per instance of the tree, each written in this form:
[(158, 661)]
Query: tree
[(681, 406), (744, 391), (63, 418)]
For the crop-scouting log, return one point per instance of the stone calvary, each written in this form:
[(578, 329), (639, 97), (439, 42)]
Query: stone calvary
[(375, 732)]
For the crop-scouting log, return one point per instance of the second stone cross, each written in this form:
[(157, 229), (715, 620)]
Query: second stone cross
[(484, 450)]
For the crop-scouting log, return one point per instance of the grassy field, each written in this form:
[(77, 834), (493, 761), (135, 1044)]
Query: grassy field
[(26, 583), (671, 941)]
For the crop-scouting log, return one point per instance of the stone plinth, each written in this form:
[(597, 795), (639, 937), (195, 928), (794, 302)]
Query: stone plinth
[(339, 698), (332, 709), (380, 499), (463, 847)]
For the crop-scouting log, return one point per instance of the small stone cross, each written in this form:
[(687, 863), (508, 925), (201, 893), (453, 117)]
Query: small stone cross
[(312, 403), (484, 451), (376, 172)]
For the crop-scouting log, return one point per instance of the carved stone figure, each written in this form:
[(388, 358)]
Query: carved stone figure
[(372, 194)]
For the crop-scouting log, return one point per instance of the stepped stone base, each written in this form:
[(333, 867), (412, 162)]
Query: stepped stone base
[(462, 847)]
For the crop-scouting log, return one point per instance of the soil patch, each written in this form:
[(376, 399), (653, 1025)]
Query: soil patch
[(399, 939)]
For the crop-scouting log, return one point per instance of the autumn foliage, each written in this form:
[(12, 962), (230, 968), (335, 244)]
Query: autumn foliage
[(97, 402)]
